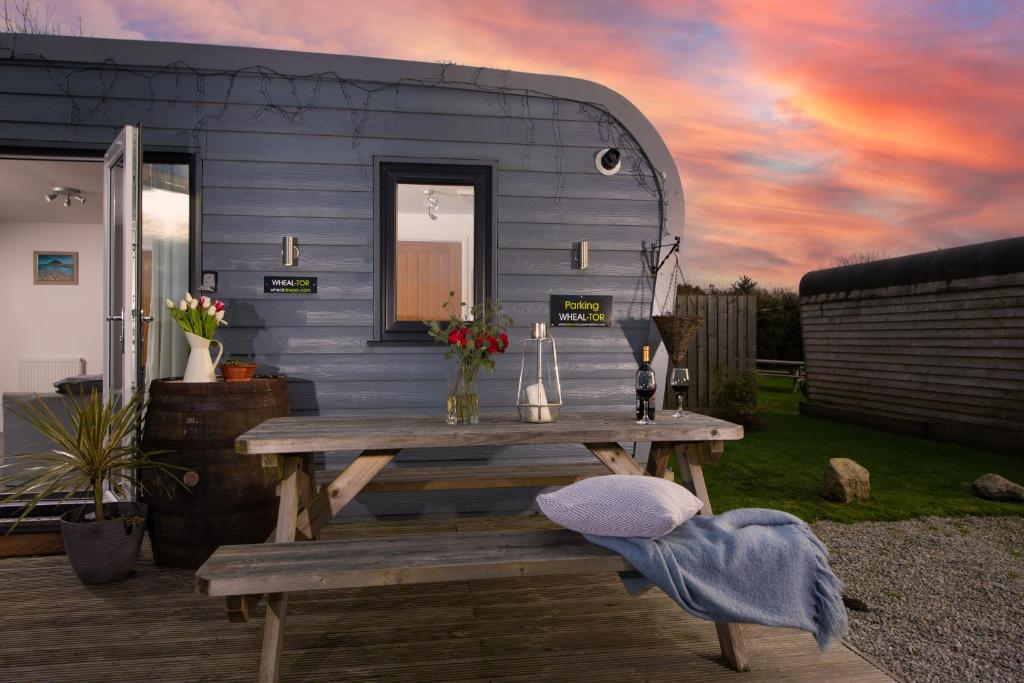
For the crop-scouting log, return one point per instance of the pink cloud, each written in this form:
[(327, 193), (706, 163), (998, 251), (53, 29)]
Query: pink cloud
[(802, 132)]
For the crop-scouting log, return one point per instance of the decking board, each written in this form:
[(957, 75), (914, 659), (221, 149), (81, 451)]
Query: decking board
[(576, 628)]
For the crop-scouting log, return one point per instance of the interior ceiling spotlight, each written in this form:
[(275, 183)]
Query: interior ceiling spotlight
[(68, 193), (430, 201)]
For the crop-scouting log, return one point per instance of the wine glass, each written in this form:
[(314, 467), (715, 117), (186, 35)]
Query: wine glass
[(646, 383), (680, 382)]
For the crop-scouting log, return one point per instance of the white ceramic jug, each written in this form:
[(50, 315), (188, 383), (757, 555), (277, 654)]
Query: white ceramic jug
[(199, 367)]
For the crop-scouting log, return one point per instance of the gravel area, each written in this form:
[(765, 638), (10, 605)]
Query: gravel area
[(946, 596)]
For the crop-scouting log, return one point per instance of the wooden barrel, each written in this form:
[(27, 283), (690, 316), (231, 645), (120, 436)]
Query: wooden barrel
[(231, 498)]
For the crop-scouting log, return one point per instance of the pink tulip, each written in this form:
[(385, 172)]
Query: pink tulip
[(218, 305)]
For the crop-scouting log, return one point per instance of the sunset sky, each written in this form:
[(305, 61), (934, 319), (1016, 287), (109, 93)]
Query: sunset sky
[(804, 131)]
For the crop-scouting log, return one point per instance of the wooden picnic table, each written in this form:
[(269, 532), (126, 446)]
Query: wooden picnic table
[(242, 574)]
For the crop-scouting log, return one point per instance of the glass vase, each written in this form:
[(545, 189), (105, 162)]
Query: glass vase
[(463, 404)]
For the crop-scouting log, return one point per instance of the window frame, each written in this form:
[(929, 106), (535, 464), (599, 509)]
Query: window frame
[(389, 175)]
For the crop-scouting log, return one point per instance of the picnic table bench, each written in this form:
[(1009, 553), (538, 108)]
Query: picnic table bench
[(780, 368), (242, 574)]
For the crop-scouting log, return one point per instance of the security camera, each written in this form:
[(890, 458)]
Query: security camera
[(608, 161)]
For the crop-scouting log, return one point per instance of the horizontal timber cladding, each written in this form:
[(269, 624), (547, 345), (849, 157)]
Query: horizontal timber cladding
[(295, 156), (944, 359)]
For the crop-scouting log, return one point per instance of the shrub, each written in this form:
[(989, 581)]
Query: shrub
[(778, 324), (737, 401)]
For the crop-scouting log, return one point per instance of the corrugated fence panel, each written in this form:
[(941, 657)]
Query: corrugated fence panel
[(944, 359)]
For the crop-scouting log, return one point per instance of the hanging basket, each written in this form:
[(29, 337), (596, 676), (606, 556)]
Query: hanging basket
[(677, 333)]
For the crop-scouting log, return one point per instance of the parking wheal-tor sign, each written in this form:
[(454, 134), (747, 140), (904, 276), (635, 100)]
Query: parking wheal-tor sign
[(580, 310)]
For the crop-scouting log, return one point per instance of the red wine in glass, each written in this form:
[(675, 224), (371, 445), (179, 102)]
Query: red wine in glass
[(680, 383)]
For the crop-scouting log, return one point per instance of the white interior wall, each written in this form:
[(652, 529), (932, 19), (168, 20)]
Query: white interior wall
[(49, 321)]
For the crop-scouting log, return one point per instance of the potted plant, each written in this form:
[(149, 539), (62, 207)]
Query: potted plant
[(98, 447), (238, 370), (473, 335)]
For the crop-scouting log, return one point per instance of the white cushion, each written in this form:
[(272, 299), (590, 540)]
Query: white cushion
[(621, 505)]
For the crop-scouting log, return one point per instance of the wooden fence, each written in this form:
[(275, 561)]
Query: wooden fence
[(725, 347)]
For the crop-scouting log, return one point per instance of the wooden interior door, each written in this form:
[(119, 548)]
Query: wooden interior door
[(426, 273)]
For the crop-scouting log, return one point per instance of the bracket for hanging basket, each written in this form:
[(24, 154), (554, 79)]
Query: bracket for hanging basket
[(656, 251)]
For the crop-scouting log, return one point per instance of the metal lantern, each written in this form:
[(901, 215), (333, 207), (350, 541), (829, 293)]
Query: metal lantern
[(540, 391)]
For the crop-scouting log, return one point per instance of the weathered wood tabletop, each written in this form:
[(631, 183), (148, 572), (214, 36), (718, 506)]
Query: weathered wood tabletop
[(303, 434)]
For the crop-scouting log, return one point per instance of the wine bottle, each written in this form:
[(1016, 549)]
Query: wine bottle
[(645, 387)]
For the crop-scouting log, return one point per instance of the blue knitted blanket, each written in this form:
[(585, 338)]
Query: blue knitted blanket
[(743, 566)]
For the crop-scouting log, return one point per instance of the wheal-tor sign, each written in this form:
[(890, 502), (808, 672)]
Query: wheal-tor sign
[(580, 310), (288, 284)]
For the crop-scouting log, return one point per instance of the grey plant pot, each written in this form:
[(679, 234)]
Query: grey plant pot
[(103, 551)]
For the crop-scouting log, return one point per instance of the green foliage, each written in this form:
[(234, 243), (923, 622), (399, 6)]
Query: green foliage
[(744, 285), (738, 400), (99, 446), (782, 465), (778, 324)]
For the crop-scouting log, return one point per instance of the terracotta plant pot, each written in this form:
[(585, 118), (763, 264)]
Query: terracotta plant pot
[(238, 373), (105, 551)]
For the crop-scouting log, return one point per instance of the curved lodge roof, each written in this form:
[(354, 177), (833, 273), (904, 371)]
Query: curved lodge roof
[(974, 260)]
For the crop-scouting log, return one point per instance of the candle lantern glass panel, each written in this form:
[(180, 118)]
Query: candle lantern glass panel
[(540, 390)]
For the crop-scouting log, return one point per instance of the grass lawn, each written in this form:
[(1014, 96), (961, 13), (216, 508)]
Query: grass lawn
[(781, 466)]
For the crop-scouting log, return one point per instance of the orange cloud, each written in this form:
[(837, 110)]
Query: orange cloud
[(803, 132)]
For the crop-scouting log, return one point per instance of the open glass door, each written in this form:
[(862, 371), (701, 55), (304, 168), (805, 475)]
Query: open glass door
[(122, 202)]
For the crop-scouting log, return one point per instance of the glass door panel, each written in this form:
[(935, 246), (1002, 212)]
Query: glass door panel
[(121, 206), (166, 212)]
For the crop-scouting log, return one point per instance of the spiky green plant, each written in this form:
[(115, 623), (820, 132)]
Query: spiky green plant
[(100, 445)]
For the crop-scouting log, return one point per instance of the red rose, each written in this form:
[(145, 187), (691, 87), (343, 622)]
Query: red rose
[(503, 338), (492, 344), (457, 336)]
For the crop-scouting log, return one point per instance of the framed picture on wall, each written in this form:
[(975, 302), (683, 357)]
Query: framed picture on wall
[(55, 267)]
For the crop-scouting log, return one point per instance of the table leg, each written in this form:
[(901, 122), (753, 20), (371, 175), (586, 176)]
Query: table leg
[(277, 603), (307, 486), (336, 495), (730, 638), (657, 461), (615, 458)]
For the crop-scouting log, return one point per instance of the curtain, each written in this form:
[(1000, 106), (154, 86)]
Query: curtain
[(167, 349)]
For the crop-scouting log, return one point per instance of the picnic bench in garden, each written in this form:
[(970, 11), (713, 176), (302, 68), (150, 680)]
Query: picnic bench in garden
[(242, 574), (791, 369)]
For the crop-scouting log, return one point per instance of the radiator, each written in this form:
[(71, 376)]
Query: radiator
[(39, 374)]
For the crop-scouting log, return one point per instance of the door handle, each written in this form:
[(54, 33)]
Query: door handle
[(112, 318), (146, 318)]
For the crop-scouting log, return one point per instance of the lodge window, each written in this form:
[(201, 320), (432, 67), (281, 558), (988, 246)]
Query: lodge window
[(435, 238)]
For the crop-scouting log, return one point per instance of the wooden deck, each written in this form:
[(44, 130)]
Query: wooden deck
[(153, 627)]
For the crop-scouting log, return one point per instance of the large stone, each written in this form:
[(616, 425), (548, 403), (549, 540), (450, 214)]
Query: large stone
[(846, 481), (994, 487)]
